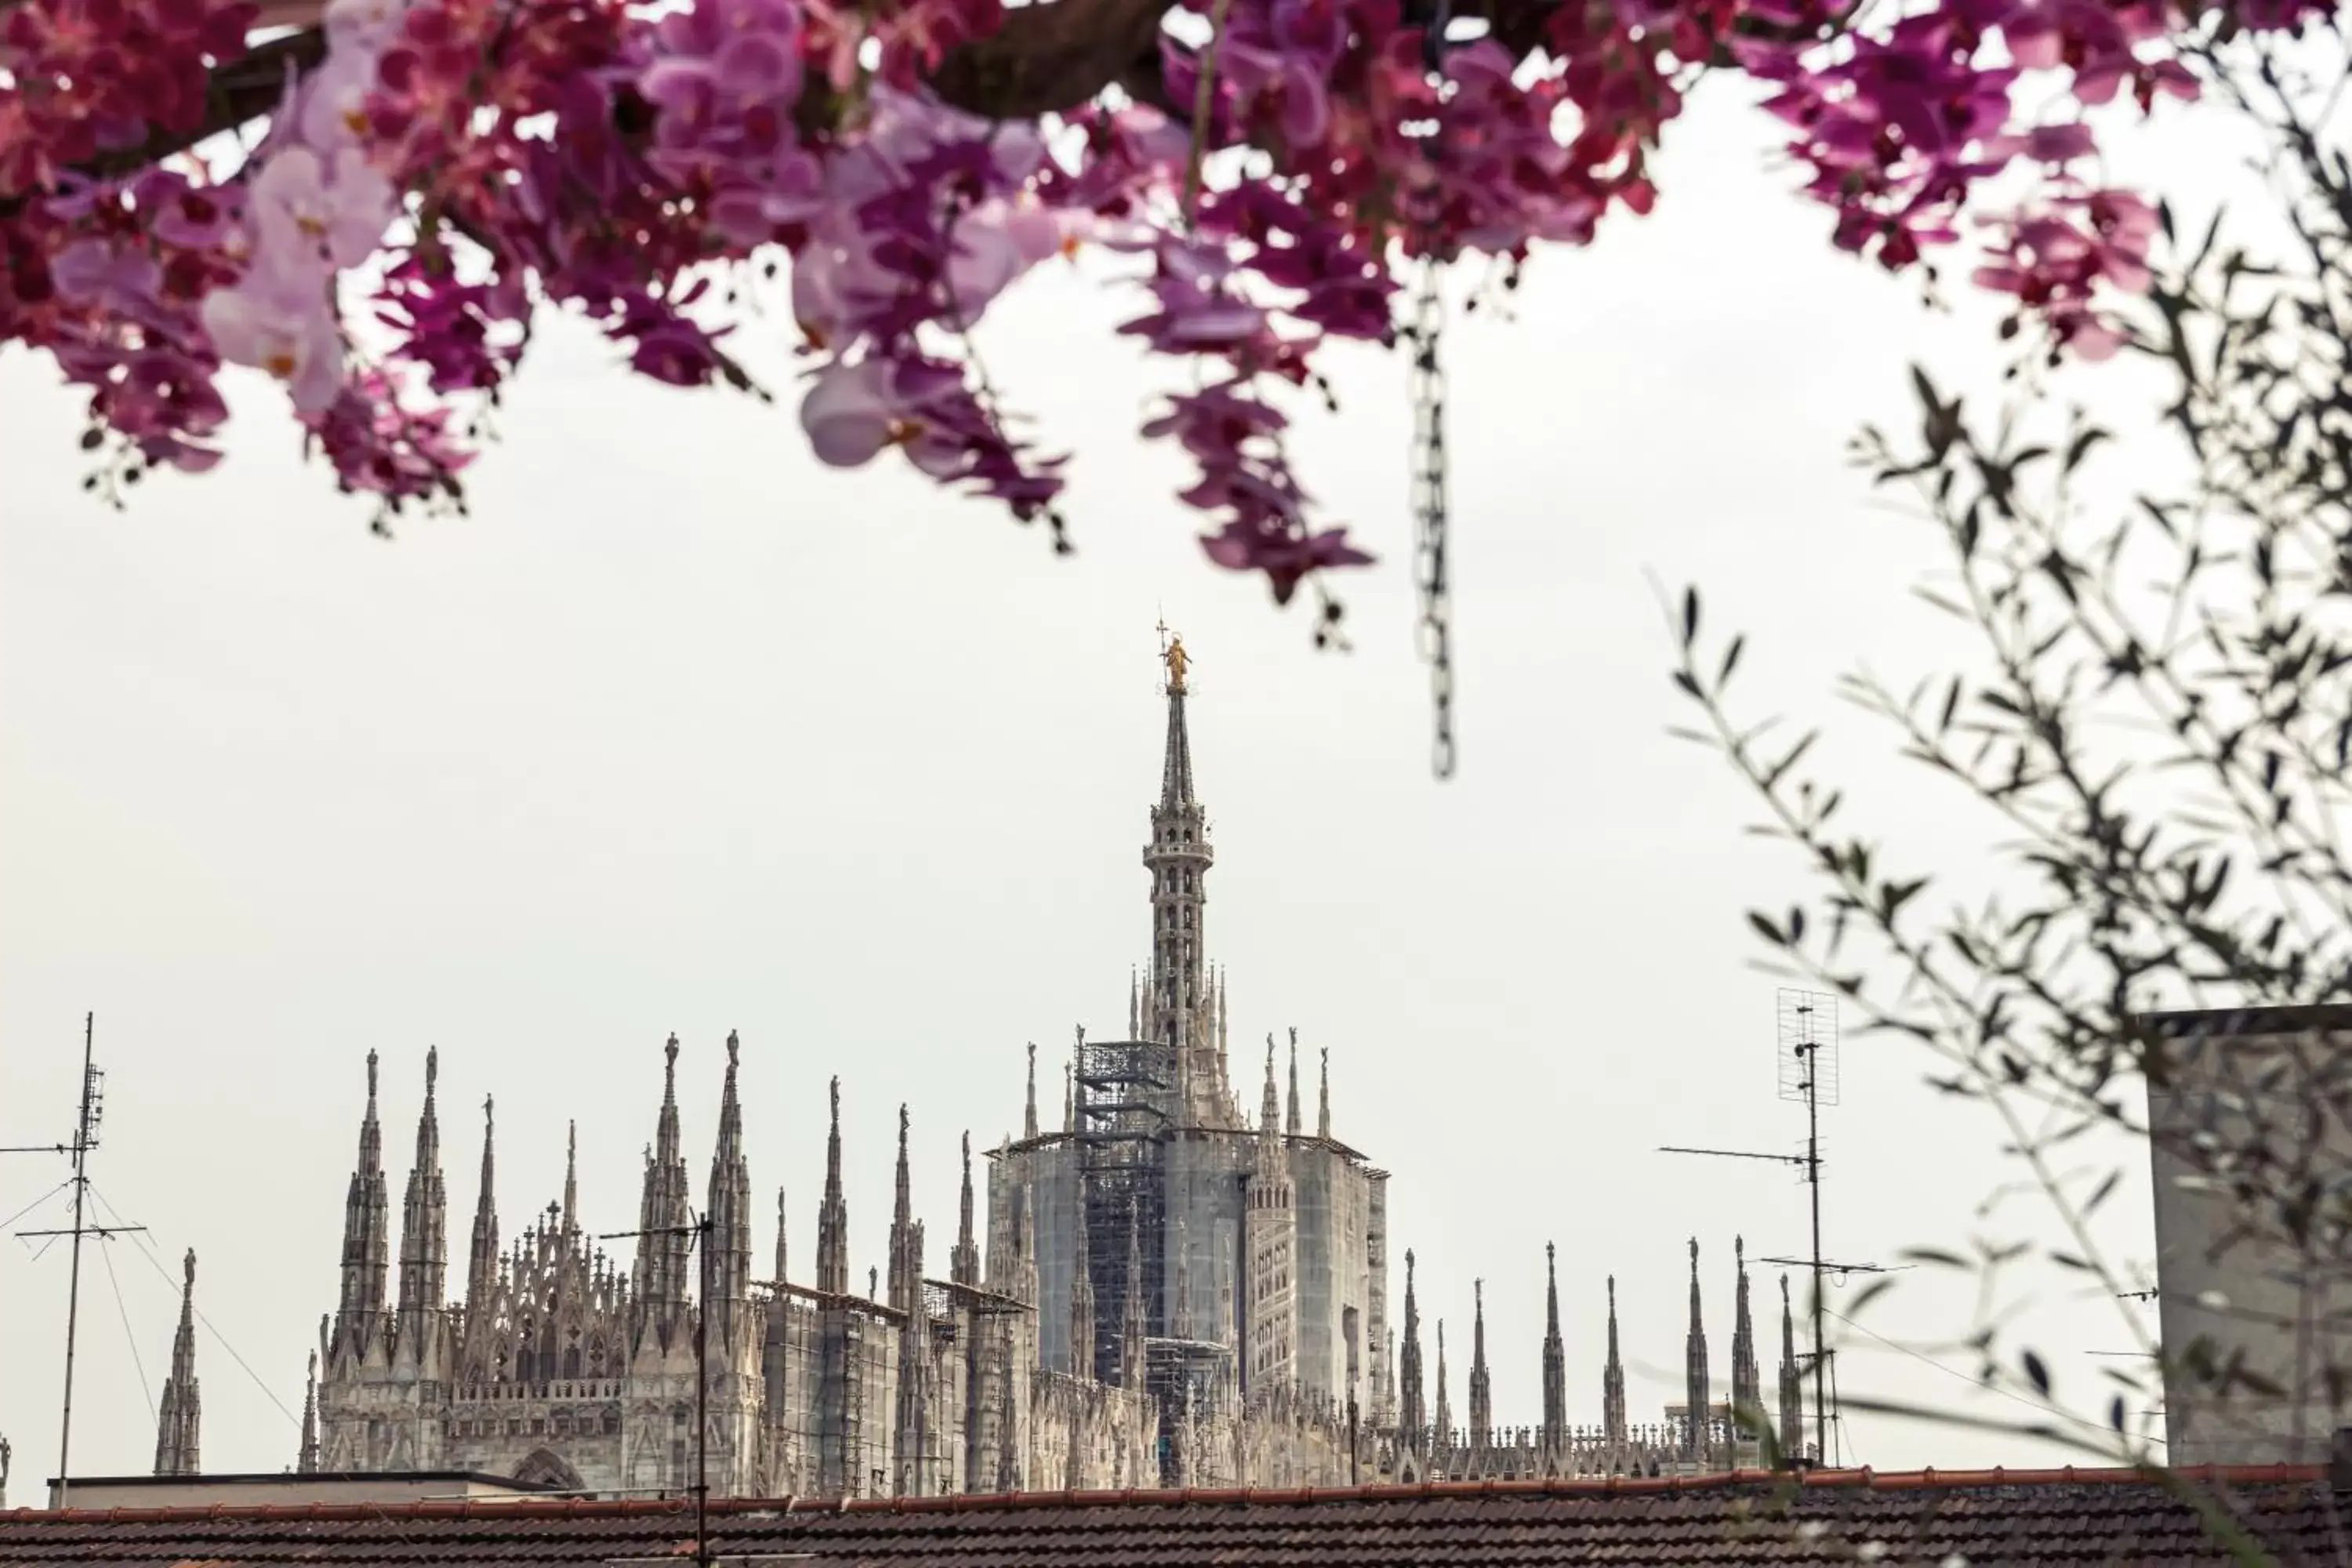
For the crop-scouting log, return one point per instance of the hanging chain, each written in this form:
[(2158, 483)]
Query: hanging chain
[(1429, 511)]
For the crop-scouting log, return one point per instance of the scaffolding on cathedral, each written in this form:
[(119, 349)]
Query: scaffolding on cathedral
[(1121, 1101)]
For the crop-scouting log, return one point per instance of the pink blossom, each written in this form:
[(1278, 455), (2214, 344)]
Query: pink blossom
[(337, 211), (851, 413), (266, 324)]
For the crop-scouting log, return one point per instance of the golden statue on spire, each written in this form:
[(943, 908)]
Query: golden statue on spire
[(1172, 655)]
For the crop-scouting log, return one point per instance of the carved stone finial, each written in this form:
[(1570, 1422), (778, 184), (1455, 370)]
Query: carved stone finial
[(371, 1075), (670, 1051), (432, 1069), (489, 1116), (189, 1268), (733, 1045)]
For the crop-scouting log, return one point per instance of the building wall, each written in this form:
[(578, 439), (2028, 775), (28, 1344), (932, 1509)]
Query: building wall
[(2226, 1295)]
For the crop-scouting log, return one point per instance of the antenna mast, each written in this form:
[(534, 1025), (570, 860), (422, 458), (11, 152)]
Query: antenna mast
[(93, 1107), (1808, 1073)]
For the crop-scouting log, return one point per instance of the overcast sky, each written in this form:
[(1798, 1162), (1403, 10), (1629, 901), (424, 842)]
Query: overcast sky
[(682, 732)]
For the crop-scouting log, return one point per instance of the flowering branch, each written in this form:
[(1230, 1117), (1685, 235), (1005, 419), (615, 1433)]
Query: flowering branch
[(619, 164)]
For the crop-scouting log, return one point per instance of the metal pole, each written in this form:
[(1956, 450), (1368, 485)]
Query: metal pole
[(73, 1289), (1813, 1173)]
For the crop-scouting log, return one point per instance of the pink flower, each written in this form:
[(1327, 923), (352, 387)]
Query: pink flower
[(334, 100), (853, 411), (267, 323), (338, 211), (362, 26)]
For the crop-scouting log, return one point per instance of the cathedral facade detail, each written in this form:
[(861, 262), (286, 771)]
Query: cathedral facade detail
[(1157, 1291)]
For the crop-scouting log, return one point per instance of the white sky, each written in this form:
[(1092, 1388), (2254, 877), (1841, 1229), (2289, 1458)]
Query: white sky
[(682, 732)]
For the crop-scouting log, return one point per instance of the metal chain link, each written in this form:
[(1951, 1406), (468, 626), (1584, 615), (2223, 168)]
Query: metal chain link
[(1430, 521), (1428, 509)]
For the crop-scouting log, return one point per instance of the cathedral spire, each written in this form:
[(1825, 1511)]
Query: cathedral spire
[(1290, 1114), (423, 1228), (963, 1263), (1179, 857), (1269, 1113), (1555, 1358), (833, 1216), (1696, 1413), (1482, 1388), (1135, 1325), (1323, 1098), (1747, 1391), (1224, 1018), (903, 1287), (1029, 1117), (1613, 1381), (729, 1211), (1134, 1005), (1411, 1414), (570, 1178), (1444, 1417), (482, 1256), (306, 1460), (366, 1245), (1792, 1396), (663, 1267), (178, 1414)]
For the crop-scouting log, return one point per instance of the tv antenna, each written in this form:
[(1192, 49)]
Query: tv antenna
[(93, 1109), (698, 1228), (1808, 1061)]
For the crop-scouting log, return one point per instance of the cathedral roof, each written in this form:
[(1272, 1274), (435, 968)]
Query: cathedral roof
[(2023, 1517)]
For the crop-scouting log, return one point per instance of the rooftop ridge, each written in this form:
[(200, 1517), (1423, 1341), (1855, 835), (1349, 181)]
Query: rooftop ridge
[(1864, 1479)]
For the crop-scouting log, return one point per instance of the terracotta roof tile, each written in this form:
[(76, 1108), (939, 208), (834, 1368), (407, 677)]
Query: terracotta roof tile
[(2018, 1518)]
